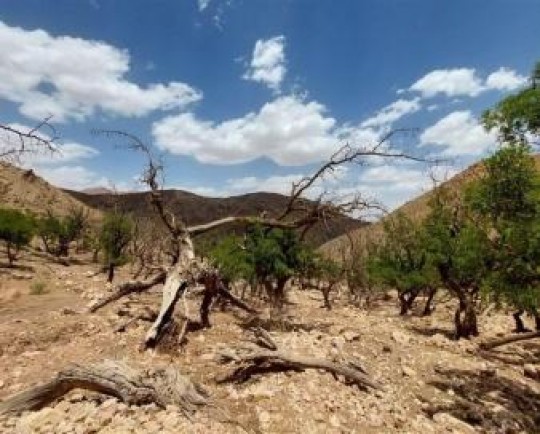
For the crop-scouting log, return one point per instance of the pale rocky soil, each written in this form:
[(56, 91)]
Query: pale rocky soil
[(429, 381)]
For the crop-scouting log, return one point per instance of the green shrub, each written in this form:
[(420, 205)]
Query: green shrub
[(16, 231), (38, 288)]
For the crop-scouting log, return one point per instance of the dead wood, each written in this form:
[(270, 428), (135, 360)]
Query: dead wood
[(306, 214), (141, 314), (162, 386), (129, 288), (250, 361), (489, 345), (224, 292)]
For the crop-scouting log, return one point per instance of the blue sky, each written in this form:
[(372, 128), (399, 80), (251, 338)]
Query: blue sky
[(247, 95)]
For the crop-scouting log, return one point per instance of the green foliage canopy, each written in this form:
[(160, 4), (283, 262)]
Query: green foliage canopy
[(16, 230)]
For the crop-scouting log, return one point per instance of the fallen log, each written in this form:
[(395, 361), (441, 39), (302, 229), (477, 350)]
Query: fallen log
[(250, 361), (489, 345), (129, 288), (185, 272), (162, 386)]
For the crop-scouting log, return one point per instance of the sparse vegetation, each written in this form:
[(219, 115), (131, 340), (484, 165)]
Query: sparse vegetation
[(38, 288), (473, 246), (115, 235), (57, 233), (16, 231)]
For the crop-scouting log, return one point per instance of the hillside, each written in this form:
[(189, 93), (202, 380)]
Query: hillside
[(198, 209), (23, 189), (416, 209)]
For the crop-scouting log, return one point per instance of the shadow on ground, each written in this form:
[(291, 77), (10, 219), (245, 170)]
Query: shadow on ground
[(488, 401), (431, 331)]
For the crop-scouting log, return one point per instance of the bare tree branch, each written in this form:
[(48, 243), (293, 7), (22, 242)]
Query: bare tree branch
[(29, 142)]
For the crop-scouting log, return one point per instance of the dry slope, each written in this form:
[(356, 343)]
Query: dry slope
[(23, 189), (416, 209)]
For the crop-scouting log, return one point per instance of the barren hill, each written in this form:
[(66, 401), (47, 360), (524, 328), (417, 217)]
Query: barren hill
[(23, 189), (416, 209), (198, 209)]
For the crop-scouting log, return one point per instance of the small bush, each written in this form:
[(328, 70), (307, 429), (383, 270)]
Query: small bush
[(38, 288)]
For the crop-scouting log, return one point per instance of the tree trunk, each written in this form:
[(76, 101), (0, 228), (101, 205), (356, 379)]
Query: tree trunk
[(520, 326), (162, 386), (63, 247), (427, 308), (210, 293), (10, 254), (509, 339), (183, 273), (110, 272), (406, 300), (279, 296), (465, 318)]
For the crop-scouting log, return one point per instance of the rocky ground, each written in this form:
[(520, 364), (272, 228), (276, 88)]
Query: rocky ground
[(430, 383)]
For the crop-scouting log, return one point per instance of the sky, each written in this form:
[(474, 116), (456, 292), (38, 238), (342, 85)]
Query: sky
[(238, 96)]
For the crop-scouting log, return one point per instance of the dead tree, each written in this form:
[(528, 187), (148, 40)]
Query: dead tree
[(16, 143), (509, 339), (267, 357), (162, 386), (299, 214)]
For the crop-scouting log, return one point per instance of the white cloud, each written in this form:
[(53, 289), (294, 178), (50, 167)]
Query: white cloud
[(460, 134), (203, 4), (70, 77), (451, 82), (72, 177), (272, 184), (465, 82), (392, 112), (268, 62), (394, 185), (288, 130), (505, 79)]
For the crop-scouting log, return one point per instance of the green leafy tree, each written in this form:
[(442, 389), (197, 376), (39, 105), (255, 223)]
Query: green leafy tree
[(459, 247), (508, 198), (401, 261), (232, 259), (16, 231), (115, 235), (325, 272), (275, 255), (58, 233), (517, 117)]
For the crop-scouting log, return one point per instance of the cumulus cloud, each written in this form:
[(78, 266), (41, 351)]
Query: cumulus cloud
[(288, 130), (466, 82), (71, 78), (203, 4), (72, 177), (392, 113), (267, 64), (460, 134), (451, 82), (505, 79), (394, 185)]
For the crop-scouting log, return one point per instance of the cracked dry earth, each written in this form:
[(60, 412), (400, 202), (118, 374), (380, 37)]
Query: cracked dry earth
[(431, 384)]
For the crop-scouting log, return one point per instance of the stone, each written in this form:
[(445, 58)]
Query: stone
[(531, 371), (264, 417), (351, 336), (400, 337), (334, 421), (407, 371), (449, 421), (67, 311)]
